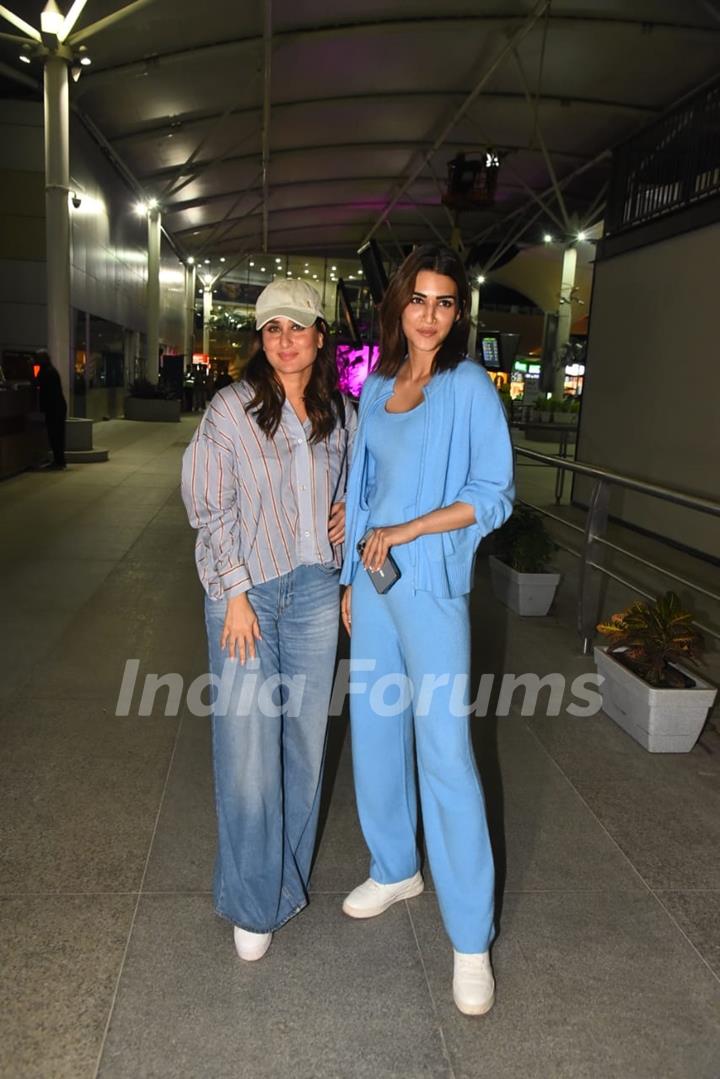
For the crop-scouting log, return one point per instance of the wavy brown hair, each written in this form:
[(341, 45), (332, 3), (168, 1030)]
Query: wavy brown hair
[(323, 400), (393, 344)]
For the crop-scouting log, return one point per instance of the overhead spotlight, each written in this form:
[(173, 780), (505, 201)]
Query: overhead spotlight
[(140, 209), (278, 261), (75, 72), (315, 277), (262, 269), (333, 268), (190, 260), (222, 259), (25, 58), (306, 271), (85, 61), (481, 279), (582, 235), (152, 204), (547, 238), (207, 262), (251, 263)]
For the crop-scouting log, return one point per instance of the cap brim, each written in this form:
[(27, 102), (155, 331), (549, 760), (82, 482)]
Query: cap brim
[(301, 315)]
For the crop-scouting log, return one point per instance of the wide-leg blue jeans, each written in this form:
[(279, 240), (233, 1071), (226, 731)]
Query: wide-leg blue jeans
[(269, 730)]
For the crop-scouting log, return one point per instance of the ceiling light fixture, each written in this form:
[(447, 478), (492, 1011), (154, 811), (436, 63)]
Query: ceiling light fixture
[(582, 235), (547, 238), (52, 19), (25, 58)]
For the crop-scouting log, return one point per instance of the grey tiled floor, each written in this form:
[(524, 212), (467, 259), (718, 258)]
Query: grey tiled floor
[(112, 962)]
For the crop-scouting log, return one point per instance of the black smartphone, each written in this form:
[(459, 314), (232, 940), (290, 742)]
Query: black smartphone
[(384, 578)]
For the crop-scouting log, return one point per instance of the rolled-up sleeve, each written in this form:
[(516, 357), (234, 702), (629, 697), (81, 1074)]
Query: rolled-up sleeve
[(490, 487), (211, 495)]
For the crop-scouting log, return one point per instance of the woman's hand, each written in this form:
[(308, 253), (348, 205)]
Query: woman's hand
[(241, 629), (382, 539), (336, 524), (345, 607)]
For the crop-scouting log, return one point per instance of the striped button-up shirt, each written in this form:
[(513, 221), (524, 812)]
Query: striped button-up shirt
[(261, 505)]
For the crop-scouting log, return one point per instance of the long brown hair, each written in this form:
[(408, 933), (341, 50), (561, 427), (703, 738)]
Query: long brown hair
[(322, 398), (393, 345)]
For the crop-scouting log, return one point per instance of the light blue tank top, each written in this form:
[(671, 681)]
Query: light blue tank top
[(394, 441)]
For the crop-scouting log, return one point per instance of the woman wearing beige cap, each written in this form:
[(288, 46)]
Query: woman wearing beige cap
[(264, 485)]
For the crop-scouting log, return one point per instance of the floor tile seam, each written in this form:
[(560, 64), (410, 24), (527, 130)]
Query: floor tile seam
[(62, 894), (139, 894), (669, 914), (656, 897), (440, 1029), (626, 858)]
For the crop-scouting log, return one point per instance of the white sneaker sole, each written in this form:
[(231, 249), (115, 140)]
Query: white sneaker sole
[(372, 912), (251, 955), (474, 1009)]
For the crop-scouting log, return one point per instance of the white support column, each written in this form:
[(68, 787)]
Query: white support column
[(207, 311), (189, 314), (565, 315), (153, 294), (57, 218)]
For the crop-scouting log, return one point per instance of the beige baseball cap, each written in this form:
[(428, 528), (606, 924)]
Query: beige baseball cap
[(293, 299)]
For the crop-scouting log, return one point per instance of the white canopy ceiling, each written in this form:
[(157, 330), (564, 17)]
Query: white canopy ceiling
[(298, 124)]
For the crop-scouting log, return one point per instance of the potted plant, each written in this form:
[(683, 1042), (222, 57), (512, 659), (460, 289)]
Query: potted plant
[(646, 687), (149, 402), (519, 568), (563, 411)]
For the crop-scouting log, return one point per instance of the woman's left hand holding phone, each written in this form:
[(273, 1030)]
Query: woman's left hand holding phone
[(380, 540), (241, 629)]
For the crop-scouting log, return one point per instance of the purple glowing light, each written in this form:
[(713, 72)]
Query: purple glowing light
[(354, 365)]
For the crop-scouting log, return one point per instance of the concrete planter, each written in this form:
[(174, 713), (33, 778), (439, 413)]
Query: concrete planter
[(524, 593), (152, 409), (661, 720)]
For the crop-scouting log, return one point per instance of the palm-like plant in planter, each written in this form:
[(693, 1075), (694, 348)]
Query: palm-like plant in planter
[(519, 567), (646, 689)]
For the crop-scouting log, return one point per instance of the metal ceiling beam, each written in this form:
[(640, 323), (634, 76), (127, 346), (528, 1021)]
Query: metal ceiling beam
[(561, 101), (215, 127), (381, 26), (410, 205), (110, 20), (537, 12), (267, 105), (390, 144), (190, 171), (541, 141), (19, 23)]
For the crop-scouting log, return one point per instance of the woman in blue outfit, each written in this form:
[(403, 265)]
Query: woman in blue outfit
[(432, 474), (264, 484)]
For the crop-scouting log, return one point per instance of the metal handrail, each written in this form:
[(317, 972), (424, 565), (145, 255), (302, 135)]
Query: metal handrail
[(596, 544)]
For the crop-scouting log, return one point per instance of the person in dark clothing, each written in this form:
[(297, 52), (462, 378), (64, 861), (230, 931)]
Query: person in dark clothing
[(53, 404)]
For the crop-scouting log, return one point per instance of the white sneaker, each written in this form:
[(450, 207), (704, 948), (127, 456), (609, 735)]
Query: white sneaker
[(473, 983), (370, 899), (251, 946)]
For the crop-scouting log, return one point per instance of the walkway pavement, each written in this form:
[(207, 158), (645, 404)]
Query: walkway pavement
[(113, 964)]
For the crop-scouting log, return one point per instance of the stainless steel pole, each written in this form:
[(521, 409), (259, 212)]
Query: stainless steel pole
[(153, 295), (57, 218)]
